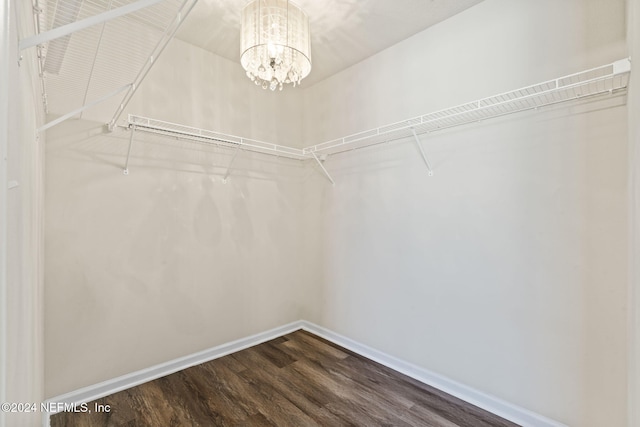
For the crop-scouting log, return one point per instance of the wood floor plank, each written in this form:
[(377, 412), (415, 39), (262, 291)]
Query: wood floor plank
[(277, 408), (295, 380), (231, 363), (305, 395), (275, 355), (431, 418), (231, 394), (366, 386), (172, 410), (294, 409), (420, 394), (356, 395), (324, 348), (225, 404), (302, 350), (257, 420)]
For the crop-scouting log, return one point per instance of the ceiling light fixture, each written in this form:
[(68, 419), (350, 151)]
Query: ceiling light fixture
[(275, 46)]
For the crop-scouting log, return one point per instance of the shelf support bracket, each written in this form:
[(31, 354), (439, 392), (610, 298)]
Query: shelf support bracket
[(235, 154), (126, 165), (81, 109), (322, 167), (424, 156)]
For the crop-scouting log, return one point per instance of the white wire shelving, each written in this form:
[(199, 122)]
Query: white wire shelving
[(600, 81), (606, 79), (160, 127), (98, 51)]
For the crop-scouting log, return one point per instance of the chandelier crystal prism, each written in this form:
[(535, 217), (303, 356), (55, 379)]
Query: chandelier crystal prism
[(275, 46)]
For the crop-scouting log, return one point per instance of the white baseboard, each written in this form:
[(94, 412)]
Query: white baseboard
[(482, 400), (477, 398), (97, 391)]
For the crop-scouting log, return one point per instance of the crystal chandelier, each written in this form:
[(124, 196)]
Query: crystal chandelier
[(275, 46)]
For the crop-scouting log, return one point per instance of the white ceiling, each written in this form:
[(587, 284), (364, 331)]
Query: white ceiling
[(343, 32)]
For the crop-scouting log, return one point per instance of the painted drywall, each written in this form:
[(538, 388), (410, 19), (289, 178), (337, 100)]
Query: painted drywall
[(633, 112), (23, 379), (506, 270)]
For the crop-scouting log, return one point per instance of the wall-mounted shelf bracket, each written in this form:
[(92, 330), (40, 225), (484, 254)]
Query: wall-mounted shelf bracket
[(235, 154), (424, 156), (323, 168), (126, 165), (81, 109)]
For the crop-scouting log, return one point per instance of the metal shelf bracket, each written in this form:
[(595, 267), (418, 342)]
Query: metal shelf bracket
[(81, 109), (323, 168), (126, 165), (235, 154), (424, 156)]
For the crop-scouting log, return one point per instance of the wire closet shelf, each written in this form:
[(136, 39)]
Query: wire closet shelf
[(145, 124), (94, 52), (603, 80), (600, 81)]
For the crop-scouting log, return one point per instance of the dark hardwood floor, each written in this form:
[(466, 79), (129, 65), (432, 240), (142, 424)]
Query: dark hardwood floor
[(295, 380)]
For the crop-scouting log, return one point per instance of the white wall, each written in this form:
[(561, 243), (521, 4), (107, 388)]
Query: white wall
[(169, 260), (507, 270), (23, 376)]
